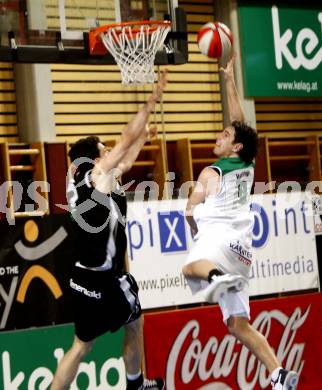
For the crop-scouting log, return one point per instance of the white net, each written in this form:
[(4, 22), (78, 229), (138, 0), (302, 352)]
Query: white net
[(134, 50)]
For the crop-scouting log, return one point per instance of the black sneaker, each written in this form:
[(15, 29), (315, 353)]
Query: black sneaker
[(153, 384), (286, 380)]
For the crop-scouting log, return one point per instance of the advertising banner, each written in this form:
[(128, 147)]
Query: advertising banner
[(317, 214), (281, 48), (284, 250), (35, 261), (29, 359), (36, 255), (159, 240), (194, 351)]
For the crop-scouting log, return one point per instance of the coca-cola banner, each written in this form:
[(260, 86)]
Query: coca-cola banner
[(194, 351), (284, 250)]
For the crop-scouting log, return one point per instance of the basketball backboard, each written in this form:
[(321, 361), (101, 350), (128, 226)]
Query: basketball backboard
[(49, 31)]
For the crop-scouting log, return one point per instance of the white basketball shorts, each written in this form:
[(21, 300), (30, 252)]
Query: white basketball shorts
[(226, 249)]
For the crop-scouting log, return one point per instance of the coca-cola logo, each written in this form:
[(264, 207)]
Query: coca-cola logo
[(214, 361)]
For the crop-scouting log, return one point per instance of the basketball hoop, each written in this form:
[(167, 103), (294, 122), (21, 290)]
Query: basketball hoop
[(133, 45)]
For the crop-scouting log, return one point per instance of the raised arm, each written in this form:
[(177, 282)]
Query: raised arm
[(133, 130), (131, 155), (236, 112)]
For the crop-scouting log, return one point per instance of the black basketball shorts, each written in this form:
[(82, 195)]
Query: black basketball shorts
[(102, 302)]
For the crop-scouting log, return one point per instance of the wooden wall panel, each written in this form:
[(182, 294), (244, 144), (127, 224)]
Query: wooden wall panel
[(8, 116), (289, 117), (91, 99)]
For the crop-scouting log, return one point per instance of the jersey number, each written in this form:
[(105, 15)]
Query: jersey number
[(242, 192)]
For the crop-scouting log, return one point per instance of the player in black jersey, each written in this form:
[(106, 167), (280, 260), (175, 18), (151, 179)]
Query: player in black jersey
[(105, 297)]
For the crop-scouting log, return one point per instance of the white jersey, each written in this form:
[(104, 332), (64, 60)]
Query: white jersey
[(225, 226), (231, 205)]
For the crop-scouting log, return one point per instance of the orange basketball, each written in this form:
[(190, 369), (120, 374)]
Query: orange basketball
[(215, 40)]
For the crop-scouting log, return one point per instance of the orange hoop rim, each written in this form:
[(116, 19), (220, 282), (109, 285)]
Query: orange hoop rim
[(156, 23)]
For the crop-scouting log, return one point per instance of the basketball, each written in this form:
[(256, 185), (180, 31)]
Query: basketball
[(215, 40)]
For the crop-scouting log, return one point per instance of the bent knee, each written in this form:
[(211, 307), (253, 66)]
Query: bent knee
[(232, 329), (82, 347), (236, 326), (134, 326)]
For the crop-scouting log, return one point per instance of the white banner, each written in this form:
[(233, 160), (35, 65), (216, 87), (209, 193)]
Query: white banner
[(284, 249), (284, 256)]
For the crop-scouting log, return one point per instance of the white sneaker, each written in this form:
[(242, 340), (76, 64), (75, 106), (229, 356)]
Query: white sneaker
[(222, 284), (153, 384), (286, 380)]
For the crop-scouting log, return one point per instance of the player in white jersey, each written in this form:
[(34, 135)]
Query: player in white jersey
[(218, 212)]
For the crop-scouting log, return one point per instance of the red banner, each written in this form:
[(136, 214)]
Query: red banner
[(193, 350)]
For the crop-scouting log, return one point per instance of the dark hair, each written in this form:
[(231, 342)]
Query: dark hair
[(247, 136), (85, 147)]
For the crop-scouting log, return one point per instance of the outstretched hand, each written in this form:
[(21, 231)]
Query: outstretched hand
[(159, 88), (228, 70), (151, 131)]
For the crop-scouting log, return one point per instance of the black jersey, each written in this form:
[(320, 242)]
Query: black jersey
[(100, 219)]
